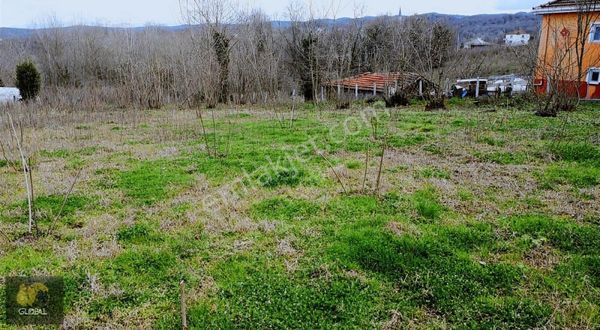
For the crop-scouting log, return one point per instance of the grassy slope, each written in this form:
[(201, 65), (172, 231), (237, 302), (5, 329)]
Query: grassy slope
[(484, 220)]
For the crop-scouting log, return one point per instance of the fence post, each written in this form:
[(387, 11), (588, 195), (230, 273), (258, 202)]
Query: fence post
[(421, 87), (447, 86), (322, 94), (339, 90), (356, 91), (374, 89), (184, 324), (477, 88)]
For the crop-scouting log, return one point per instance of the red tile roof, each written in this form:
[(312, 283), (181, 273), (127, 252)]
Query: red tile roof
[(366, 81)]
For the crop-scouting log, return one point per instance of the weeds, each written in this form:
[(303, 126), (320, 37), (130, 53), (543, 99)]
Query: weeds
[(457, 236), (578, 152), (580, 176), (505, 158), (138, 233), (431, 172), (285, 209), (149, 182), (565, 235), (297, 302), (271, 178), (426, 204)]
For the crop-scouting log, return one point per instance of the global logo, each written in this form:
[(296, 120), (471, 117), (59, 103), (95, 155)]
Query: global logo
[(28, 294), (34, 300)]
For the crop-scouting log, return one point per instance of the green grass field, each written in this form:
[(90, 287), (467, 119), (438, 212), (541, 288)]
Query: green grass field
[(479, 219)]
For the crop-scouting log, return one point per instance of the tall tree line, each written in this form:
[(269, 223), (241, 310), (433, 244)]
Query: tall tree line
[(223, 55)]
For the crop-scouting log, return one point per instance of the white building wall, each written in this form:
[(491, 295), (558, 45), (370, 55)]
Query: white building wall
[(517, 39)]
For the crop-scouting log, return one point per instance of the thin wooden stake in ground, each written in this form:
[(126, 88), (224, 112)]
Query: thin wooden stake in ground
[(334, 172), (184, 325), (26, 172), (64, 202), (293, 113), (366, 169), (199, 115), (31, 192), (385, 141)]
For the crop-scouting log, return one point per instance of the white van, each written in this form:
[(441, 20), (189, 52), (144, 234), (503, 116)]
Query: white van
[(9, 95)]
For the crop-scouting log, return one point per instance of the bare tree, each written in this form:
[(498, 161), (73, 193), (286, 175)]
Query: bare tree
[(256, 62), (215, 16), (433, 54), (303, 44)]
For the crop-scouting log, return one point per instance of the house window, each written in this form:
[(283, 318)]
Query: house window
[(594, 76), (596, 32)]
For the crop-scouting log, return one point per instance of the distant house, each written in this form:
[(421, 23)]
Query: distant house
[(517, 39), (476, 43), (9, 95), (557, 40)]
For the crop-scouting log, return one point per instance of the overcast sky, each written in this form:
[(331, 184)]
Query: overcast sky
[(33, 13)]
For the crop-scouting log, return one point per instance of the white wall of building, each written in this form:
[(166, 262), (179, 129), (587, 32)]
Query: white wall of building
[(517, 39)]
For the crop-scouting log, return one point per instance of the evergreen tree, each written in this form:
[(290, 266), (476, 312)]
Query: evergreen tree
[(28, 80)]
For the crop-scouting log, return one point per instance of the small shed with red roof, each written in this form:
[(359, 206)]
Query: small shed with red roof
[(371, 84)]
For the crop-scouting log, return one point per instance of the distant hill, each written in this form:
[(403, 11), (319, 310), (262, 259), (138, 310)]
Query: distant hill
[(10, 33), (15, 33), (489, 27)]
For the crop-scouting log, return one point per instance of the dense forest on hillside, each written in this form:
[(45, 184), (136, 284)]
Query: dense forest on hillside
[(492, 28)]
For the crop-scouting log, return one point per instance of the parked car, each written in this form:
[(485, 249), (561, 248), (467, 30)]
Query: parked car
[(9, 94), (468, 87)]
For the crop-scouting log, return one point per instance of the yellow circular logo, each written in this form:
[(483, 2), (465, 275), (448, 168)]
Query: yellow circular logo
[(28, 294)]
